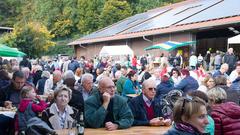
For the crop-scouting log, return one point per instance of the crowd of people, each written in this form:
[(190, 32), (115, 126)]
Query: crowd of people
[(201, 97)]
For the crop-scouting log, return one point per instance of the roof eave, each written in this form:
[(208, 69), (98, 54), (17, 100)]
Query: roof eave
[(171, 29)]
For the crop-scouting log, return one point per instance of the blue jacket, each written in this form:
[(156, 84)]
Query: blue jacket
[(128, 87), (187, 84), (235, 84), (163, 88), (139, 112)]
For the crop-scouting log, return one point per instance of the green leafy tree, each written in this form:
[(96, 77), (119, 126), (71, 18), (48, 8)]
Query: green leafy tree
[(89, 12), (60, 16), (9, 10), (31, 38), (114, 11)]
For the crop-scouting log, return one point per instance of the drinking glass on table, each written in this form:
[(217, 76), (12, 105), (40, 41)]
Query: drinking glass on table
[(71, 127)]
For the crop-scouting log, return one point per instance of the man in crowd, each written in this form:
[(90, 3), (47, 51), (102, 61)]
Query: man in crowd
[(146, 110), (73, 65), (235, 73), (217, 60), (105, 109), (86, 86), (9, 97), (230, 59), (53, 81), (121, 80), (222, 71)]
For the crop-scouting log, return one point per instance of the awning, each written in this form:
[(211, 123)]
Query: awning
[(10, 52), (169, 45), (116, 50), (234, 40)]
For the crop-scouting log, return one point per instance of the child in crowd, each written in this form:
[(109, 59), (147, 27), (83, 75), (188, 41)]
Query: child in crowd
[(29, 107)]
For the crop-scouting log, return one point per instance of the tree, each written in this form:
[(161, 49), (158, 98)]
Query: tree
[(9, 10), (31, 38), (89, 12), (114, 11)]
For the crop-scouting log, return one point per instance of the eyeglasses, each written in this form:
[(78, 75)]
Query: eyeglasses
[(152, 89), (110, 87)]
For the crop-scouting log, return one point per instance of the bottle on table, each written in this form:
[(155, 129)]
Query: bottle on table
[(80, 125)]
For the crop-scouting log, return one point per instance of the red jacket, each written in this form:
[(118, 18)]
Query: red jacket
[(227, 118), (38, 108), (35, 107)]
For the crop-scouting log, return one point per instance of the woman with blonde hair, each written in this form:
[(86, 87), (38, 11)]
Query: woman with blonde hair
[(226, 115), (207, 84)]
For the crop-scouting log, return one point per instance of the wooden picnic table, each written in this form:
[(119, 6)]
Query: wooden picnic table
[(137, 130)]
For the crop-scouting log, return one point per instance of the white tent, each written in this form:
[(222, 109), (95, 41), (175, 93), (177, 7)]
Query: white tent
[(234, 40), (117, 50)]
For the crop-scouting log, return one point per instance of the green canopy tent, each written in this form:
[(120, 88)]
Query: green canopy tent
[(6, 51), (169, 45)]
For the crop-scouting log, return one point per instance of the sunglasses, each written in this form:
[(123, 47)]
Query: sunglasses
[(152, 89), (186, 99)]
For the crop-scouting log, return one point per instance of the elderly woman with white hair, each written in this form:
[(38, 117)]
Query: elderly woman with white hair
[(226, 115)]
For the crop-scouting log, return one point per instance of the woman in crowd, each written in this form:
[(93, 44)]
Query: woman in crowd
[(189, 116), (78, 73), (207, 84), (146, 74), (210, 127), (60, 115), (175, 76), (221, 81), (200, 72), (131, 85), (226, 115)]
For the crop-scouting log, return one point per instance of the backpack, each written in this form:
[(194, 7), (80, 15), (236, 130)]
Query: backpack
[(30, 124), (168, 100)]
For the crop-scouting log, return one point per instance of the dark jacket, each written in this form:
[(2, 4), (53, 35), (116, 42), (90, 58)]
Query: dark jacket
[(9, 93), (230, 59), (227, 118), (25, 63), (139, 112), (187, 84), (41, 84), (164, 87), (77, 100), (95, 113)]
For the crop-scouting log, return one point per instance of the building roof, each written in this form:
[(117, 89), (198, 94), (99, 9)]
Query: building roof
[(183, 16), (6, 28)]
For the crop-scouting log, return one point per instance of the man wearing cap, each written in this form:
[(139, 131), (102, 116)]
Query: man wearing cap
[(145, 108)]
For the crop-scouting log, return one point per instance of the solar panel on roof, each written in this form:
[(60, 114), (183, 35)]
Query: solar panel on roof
[(223, 9), (123, 25), (174, 16)]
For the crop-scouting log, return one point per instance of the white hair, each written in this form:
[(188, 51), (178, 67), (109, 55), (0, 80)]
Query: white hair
[(68, 74)]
